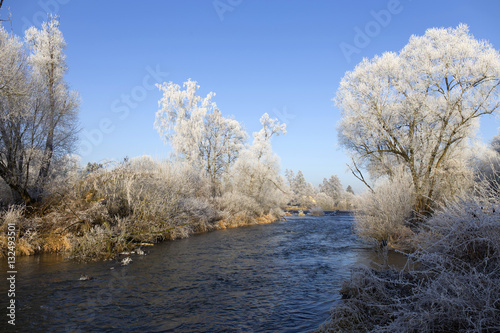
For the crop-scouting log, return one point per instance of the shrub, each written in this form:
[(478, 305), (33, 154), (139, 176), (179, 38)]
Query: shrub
[(238, 209), (325, 202), (386, 211), (452, 286), (317, 211), (108, 208)]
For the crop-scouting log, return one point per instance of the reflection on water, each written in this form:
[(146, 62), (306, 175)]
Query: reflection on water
[(374, 259), (280, 277)]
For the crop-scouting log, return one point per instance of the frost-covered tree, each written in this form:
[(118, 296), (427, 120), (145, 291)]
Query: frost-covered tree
[(290, 178), (495, 143), (419, 107), (38, 112), (58, 103), (14, 91), (332, 187), (197, 131), (349, 189), (302, 191), (486, 163), (256, 172)]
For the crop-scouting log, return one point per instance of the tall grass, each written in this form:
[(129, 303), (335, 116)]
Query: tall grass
[(107, 209), (452, 286), (386, 213)]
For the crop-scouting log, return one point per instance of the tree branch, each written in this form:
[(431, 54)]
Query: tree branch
[(359, 175)]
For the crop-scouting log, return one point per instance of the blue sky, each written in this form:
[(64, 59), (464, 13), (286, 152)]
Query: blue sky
[(284, 57)]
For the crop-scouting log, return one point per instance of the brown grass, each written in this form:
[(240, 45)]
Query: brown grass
[(108, 211)]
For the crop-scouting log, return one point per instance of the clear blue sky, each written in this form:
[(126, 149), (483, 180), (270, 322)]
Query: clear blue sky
[(280, 57)]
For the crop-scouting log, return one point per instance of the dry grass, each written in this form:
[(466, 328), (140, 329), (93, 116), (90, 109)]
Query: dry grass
[(456, 287), (109, 210)]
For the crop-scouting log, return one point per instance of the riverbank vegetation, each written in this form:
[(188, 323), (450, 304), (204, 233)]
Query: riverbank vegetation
[(106, 209), (329, 195), (409, 118), (451, 282), (214, 180)]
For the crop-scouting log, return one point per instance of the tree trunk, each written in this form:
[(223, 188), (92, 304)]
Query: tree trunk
[(17, 188), (49, 143), (46, 159)]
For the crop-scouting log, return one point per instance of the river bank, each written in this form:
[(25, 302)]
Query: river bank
[(99, 236), (102, 211), (278, 277), (452, 285)]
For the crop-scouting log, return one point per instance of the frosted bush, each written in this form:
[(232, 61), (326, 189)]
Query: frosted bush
[(200, 213), (157, 199), (93, 244), (452, 283), (235, 205), (325, 202), (386, 211)]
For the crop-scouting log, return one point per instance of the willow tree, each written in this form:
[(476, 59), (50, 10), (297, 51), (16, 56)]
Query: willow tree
[(418, 108)]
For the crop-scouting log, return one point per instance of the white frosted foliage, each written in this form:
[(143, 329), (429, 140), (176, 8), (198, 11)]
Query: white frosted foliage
[(419, 107), (38, 111), (256, 172), (197, 131)]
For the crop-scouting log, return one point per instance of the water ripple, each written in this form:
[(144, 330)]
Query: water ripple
[(281, 277)]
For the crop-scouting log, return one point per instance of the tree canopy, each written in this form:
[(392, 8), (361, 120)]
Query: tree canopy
[(197, 131), (418, 108)]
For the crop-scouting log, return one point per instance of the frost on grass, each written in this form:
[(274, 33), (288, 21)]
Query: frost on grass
[(453, 284), (387, 212), (105, 210)]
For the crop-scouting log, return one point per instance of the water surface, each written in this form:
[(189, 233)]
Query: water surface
[(279, 277)]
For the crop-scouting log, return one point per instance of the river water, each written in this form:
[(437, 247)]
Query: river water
[(279, 277)]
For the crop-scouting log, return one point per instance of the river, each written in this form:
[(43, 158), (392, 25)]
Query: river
[(279, 277)]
